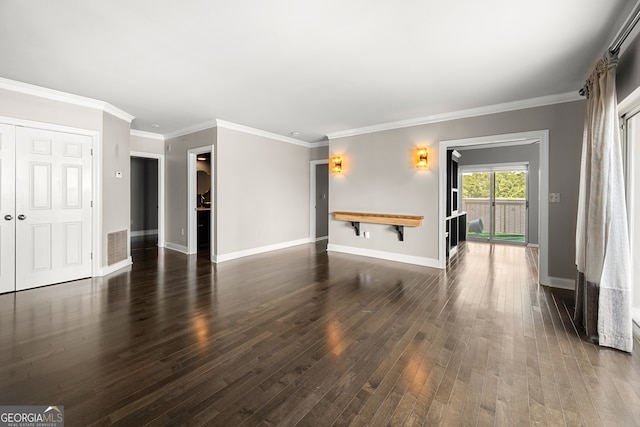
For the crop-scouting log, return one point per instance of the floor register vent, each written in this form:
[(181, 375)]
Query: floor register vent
[(116, 247)]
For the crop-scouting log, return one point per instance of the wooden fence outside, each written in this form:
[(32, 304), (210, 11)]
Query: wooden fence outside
[(511, 214)]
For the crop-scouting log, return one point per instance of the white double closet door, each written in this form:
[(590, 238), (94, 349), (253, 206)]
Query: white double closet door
[(45, 207)]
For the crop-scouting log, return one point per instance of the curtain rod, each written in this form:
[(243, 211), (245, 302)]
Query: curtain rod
[(624, 32)]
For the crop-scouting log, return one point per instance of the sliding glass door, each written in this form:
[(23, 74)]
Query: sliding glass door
[(495, 200), (476, 202)]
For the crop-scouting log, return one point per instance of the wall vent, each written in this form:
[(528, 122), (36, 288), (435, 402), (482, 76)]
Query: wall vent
[(116, 247)]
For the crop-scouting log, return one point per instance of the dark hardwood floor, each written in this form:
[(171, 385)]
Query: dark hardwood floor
[(149, 241), (302, 337)]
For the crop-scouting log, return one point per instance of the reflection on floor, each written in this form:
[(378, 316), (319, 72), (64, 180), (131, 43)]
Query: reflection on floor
[(149, 241)]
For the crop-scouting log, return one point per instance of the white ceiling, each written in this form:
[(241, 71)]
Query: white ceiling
[(316, 67)]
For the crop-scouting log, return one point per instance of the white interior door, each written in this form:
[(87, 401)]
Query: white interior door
[(7, 209), (53, 207)]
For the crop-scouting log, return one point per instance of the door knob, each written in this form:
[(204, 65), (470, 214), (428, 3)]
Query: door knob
[(8, 217), (22, 217)]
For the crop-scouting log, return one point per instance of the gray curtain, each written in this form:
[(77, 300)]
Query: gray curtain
[(603, 285)]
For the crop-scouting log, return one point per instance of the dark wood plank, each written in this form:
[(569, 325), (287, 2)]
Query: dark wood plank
[(303, 337)]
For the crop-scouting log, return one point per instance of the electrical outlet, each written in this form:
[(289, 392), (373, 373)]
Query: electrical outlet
[(554, 197), (366, 234)]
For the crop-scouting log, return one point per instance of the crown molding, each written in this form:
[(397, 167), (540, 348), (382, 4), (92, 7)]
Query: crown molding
[(263, 133), (191, 129), (462, 114), (217, 123), (56, 95), (148, 135), (116, 112)]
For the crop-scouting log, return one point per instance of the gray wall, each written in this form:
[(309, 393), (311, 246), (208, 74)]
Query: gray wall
[(116, 208), (380, 177), (262, 191), (176, 182), (261, 194), (521, 153), (144, 194), (147, 145), (628, 72), (34, 108), (319, 153)]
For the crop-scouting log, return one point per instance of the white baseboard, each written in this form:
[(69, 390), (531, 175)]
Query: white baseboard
[(261, 249), (389, 256), (559, 282), (533, 245), (108, 269), (175, 247), (143, 233)]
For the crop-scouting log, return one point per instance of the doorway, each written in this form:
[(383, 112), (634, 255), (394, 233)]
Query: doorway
[(201, 202), (540, 137), (151, 185), (144, 203), (319, 199), (496, 201)]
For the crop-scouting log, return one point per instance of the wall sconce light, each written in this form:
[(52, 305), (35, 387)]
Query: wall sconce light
[(422, 158), (336, 164)]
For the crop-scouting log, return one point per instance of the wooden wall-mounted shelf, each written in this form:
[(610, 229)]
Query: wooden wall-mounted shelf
[(398, 221)]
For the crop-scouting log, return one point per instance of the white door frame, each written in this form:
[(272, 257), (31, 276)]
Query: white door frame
[(312, 197), (192, 214), (519, 138), (96, 184), (160, 159)]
